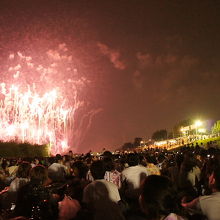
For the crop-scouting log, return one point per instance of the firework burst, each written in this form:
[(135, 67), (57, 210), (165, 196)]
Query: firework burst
[(38, 102)]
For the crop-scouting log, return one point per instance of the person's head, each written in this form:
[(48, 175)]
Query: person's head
[(70, 153), (108, 164), (79, 169), (132, 159), (97, 169), (158, 197), (58, 158), (38, 174), (107, 154), (23, 170)]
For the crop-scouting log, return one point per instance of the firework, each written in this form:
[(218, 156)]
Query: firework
[(33, 108), (29, 117)]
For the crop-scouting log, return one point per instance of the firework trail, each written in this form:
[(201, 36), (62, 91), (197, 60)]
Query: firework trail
[(39, 101)]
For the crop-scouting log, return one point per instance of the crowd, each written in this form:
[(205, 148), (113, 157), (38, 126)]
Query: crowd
[(152, 184)]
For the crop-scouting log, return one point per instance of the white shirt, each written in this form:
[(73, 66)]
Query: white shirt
[(193, 174), (133, 175), (99, 190), (17, 183), (210, 206)]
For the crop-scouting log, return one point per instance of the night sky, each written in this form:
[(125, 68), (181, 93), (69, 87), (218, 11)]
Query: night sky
[(150, 63)]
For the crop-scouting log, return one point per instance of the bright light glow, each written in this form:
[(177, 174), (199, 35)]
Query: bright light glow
[(202, 130), (160, 143), (172, 141), (40, 98), (64, 144), (29, 117), (10, 130), (198, 123)]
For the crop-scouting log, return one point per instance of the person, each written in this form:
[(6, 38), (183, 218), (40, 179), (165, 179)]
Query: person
[(111, 174), (209, 205), (189, 176), (57, 171), (132, 177), (22, 176), (101, 196), (158, 199), (79, 181), (92, 192), (34, 200), (152, 169)]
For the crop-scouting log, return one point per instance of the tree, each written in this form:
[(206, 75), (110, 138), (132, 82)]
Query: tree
[(127, 146), (216, 127), (137, 141), (177, 127), (160, 135)]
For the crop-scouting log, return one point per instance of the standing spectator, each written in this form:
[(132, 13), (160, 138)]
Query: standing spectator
[(158, 199), (209, 205), (34, 199), (57, 171), (111, 174), (133, 176), (102, 196)]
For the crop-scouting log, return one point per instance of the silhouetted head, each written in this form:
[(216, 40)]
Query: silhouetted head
[(158, 197), (97, 169), (133, 159), (23, 170), (38, 174)]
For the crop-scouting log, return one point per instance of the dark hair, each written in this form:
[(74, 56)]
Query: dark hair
[(38, 174), (58, 157), (97, 169), (108, 164), (81, 167), (107, 154), (158, 197), (23, 170), (132, 159)]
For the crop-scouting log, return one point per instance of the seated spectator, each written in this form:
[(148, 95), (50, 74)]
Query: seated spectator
[(209, 205), (111, 174), (92, 192), (12, 169), (34, 200), (22, 177), (133, 176), (158, 199), (57, 171), (79, 181), (152, 169), (102, 196)]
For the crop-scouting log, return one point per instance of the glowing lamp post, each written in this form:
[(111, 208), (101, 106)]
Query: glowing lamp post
[(197, 124), (202, 130)]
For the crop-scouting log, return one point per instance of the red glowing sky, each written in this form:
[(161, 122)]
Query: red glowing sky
[(150, 64)]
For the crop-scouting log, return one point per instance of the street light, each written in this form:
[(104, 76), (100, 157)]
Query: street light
[(201, 130), (198, 123), (183, 131)]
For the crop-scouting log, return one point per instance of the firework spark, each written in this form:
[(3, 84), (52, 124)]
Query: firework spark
[(28, 117), (33, 107)]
